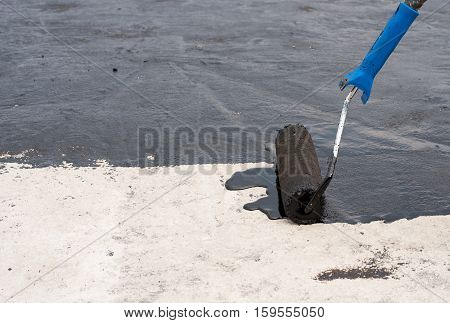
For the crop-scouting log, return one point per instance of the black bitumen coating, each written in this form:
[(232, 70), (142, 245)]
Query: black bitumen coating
[(248, 62), (259, 177)]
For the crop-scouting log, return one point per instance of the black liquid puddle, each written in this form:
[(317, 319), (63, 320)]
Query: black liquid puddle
[(271, 204), (259, 177)]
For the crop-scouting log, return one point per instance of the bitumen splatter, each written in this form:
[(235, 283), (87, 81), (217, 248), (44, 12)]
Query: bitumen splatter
[(362, 272), (371, 268), (259, 177)]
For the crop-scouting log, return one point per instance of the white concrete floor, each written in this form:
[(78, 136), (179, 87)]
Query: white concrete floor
[(118, 235)]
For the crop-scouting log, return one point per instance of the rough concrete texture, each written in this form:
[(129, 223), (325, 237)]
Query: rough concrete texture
[(179, 244)]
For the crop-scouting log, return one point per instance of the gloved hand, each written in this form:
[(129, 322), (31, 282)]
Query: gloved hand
[(362, 77)]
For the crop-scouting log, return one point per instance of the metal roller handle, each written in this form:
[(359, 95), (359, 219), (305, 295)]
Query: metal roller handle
[(415, 4)]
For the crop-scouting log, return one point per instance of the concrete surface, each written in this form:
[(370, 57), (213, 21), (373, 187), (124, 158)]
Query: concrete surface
[(109, 234)]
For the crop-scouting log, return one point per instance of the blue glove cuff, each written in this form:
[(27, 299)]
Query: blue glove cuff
[(362, 77)]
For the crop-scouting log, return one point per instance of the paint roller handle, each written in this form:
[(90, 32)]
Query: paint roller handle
[(415, 4), (362, 77)]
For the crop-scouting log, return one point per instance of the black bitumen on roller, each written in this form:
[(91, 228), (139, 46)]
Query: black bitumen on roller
[(298, 173)]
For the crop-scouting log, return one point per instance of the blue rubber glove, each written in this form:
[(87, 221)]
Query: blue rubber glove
[(362, 77)]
